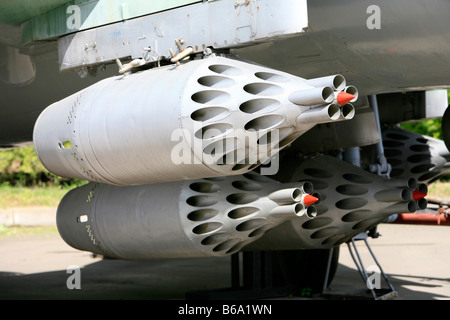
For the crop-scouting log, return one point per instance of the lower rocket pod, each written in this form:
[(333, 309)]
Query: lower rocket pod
[(352, 201), (196, 218), (423, 158)]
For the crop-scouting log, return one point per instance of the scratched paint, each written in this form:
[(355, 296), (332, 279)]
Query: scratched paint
[(53, 23)]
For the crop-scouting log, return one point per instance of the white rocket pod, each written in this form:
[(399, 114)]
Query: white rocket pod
[(204, 118), (196, 218)]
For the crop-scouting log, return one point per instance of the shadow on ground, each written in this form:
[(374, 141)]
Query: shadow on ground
[(110, 279)]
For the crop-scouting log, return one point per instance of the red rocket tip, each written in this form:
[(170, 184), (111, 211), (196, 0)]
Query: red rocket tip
[(417, 195), (343, 98), (309, 200)]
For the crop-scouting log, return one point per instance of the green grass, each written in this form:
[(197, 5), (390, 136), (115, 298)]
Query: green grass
[(19, 231), (439, 190), (11, 197)]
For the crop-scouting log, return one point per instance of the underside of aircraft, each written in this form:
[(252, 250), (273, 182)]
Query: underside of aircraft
[(209, 128)]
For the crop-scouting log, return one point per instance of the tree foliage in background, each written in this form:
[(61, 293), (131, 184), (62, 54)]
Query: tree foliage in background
[(21, 167), (430, 127)]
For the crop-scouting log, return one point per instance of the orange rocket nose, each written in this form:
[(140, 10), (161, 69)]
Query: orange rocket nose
[(343, 98), (310, 200), (417, 195)]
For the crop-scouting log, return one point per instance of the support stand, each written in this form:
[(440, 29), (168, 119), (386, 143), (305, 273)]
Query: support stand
[(385, 293), (372, 292)]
